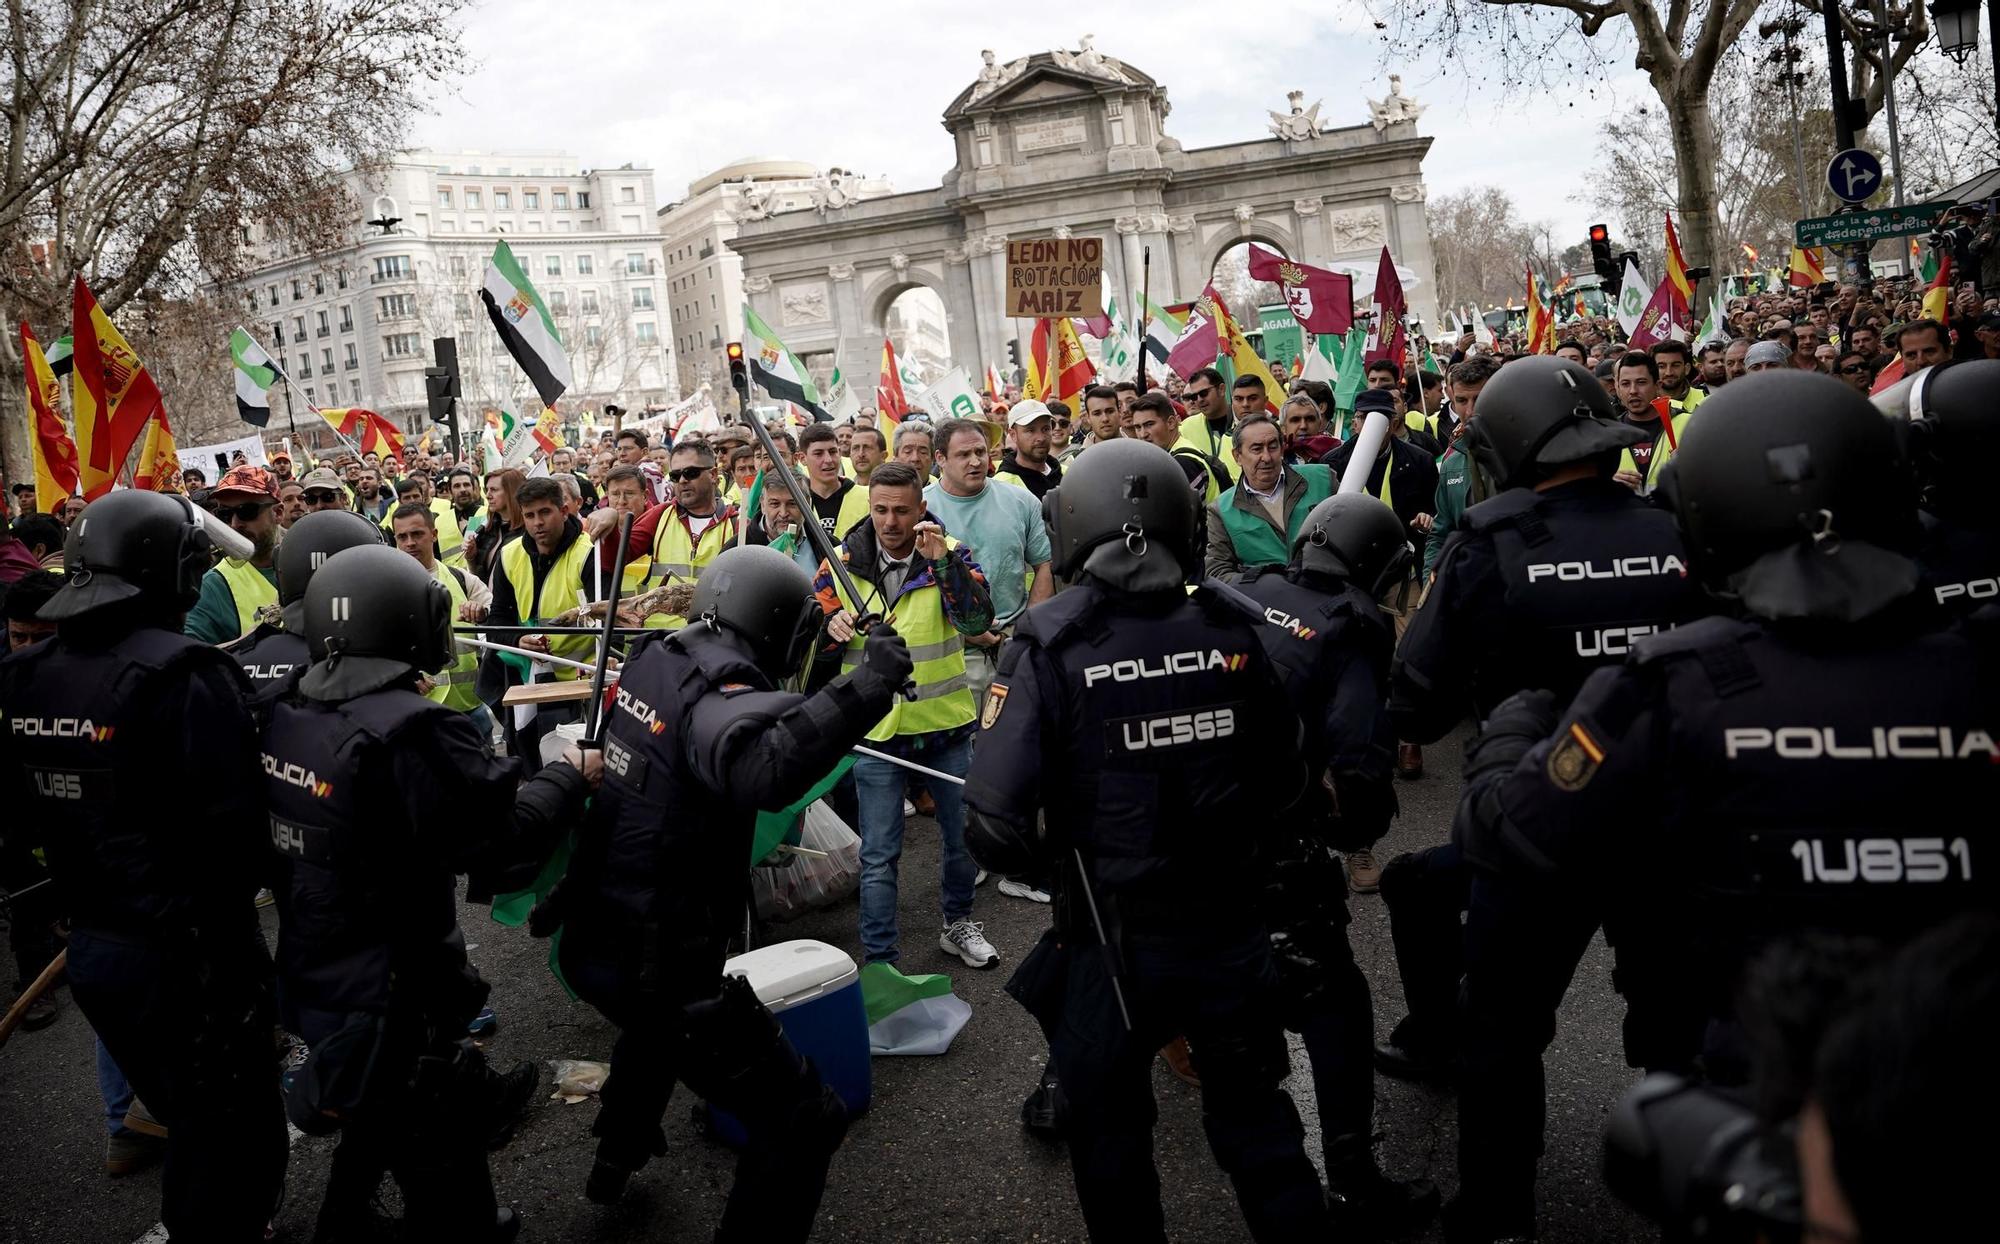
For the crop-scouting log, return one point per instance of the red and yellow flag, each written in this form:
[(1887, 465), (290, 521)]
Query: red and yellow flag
[(365, 428), (548, 431), (112, 393), (1807, 268), (159, 466), (1541, 324), (890, 402), (993, 389), (1677, 267), (55, 455), (1243, 357), (1058, 369), (1937, 295)]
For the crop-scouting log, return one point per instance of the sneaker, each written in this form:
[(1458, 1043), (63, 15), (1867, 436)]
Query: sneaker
[(1409, 761), (265, 898), (128, 1153), (979, 879), (909, 809), (968, 941), (1021, 889), (483, 1024), (139, 1119), (1364, 875)]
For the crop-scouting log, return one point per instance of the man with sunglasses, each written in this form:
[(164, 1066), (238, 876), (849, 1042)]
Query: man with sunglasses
[(323, 490), (235, 589), (1852, 369), (684, 535), (1206, 397)]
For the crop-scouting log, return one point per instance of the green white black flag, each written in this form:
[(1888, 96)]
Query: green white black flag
[(525, 325), (777, 369), (255, 376)]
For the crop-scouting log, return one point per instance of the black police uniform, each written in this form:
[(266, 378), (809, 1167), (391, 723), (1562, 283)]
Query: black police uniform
[(699, 740), (1151, 733), (377, 803), (268, 656), (165, 956), (1534, 591), (1961, 562), (1331, 645)]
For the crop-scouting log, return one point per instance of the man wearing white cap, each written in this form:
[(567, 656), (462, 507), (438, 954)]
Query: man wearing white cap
[(1030, 425)]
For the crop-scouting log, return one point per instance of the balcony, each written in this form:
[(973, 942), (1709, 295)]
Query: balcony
[(323, 332), (391, 278)]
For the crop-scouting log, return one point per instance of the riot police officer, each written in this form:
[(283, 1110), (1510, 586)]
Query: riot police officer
[(1955, 435), (699, 738), (1146, 729), (1806, 765), (270, 652), (165, 958), (1331, 643), (1558, 574), (378, 798)]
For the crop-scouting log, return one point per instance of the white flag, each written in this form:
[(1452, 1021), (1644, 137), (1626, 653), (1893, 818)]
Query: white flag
[(951, 396), (1632, 295)]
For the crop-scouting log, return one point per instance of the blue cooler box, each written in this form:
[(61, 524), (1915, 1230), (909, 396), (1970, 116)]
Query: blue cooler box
[(815, 991)]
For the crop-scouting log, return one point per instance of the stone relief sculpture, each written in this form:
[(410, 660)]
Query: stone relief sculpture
[(1357, 228), (803, 306)]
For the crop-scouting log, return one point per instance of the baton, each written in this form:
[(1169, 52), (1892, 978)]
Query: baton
[(807, 515), (1103, 939), (593, 730)]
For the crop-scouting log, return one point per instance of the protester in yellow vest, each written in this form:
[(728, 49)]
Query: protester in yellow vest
[(675, 540), (624, 493), (838, 503), (912, 577), (542, 574), (415, 531), (451, 537), (233, 591)]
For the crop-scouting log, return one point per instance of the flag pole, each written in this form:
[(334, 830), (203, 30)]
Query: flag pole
[(291, 387), (1145, 310), (290, 422)]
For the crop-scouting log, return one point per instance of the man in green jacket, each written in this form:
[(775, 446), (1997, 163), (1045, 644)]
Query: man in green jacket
[(1255, 522), (1460, 483), (233, 590)]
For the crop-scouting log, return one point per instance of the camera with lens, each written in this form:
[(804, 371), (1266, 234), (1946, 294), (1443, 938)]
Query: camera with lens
[(1702, 1164)]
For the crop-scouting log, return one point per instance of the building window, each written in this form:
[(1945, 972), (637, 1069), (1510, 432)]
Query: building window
[(552, 265), (593, 334), (400, 345), (711, 302), (642, 298), (472, 198), (346, 319), (340, 279), (325, 326), (298, 328), (458, 265), (647, 333), (357, 391), (585, 265), (326, 362), (278, 331), (531, 200), (353, 359), (627, 194), (396, 305), (392, 268), (311, 395), (319, 284), (583, 199), (298, 289), (503, 201), (558, 301), (273, 291), (560, 198), (305, 365), (635, 264), (461, 304), (444, 196), (587, 301)]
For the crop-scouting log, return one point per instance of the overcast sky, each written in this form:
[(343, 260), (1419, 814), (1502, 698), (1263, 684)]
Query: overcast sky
[(862, 84)]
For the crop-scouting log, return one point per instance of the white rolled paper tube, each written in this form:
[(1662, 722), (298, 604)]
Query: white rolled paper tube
[(1367, 447)]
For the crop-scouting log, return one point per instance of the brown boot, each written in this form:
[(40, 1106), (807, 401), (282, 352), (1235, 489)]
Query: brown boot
[(1409, 761), (924, 804), (1364, 875), (1180, 1060)]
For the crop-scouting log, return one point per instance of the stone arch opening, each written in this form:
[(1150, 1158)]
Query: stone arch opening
[(912, 316)]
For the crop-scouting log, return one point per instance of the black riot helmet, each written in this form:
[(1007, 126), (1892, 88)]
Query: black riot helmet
[(1540, 412), (308, 544), (764, 598), (1124, 513), (373, 617), (1794, 494), (1354, 537), (132, 544), (1954, 436)]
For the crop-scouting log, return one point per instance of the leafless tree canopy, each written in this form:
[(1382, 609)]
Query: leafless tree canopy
[(142, 135)]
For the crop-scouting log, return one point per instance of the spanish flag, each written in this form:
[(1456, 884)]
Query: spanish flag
[(1937, 295), (159, 466), (1058, 370), (890, 403), (1241, 358), (112, 394), (1806, 270), (55, 455), (1541, 325), (365, 428)]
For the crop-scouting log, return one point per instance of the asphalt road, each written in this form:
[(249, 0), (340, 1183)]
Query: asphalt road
[(939, 1158)]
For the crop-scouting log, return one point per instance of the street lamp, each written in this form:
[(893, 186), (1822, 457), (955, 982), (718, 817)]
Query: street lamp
[(1957, 27)]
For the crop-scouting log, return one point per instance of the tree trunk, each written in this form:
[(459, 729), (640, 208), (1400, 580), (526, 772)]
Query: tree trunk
[(1693, 129), (15, 457)]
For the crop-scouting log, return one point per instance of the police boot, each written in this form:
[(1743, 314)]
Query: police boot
[(511, 1096), (1365, 1203), (1046, 1112), (610, 1172)]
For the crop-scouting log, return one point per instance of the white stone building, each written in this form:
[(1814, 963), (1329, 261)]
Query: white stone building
[(704, 278), (353, 326)]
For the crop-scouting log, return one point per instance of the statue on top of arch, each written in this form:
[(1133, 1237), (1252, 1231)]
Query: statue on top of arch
[(1090, 62), (1395, 106), (1299, 125)]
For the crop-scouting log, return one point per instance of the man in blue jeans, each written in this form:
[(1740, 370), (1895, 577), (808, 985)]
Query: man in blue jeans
[(910, 574)]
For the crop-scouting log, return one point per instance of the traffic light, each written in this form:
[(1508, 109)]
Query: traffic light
[(1607, 269), (441, 388), (739, 371)]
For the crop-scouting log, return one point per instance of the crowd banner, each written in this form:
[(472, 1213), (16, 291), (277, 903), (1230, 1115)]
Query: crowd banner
[(213, 460)]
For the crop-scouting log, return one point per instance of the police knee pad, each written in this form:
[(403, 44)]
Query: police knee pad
[(1243, 1062)]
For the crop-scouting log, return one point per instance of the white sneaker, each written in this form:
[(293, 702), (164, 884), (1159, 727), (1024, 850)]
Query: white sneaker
[(979, 878), (1021, 889), (909, 809), (968, 941)]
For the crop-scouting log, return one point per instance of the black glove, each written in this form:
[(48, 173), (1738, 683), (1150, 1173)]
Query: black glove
[(885, 658), (1521, 721)]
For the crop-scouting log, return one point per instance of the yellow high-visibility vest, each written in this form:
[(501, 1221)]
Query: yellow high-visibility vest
[(561, 590), (453, 686), (944, 696), (249, 589)]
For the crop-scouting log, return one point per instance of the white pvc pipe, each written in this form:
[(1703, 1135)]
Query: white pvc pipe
[(1367, 447), (907, 764), (586, 666)]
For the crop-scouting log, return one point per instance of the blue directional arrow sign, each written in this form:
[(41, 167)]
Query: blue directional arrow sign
[(1853, 175)]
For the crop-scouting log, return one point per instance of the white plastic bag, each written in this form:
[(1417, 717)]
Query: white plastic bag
[(804, 882)]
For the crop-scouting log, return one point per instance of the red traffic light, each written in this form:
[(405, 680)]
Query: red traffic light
[(735, 351), (1600, 233)]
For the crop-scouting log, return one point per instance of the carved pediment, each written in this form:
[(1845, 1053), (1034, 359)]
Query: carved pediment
[(1041, 79)]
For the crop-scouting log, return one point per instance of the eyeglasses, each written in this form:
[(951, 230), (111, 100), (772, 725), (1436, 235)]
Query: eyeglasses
[(688, 475), (320, 496), (1854, 369), (1198, 395), (248, 511)]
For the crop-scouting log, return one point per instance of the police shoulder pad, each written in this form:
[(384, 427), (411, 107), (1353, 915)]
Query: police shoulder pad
[(1499, 509), (1689, 640)]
